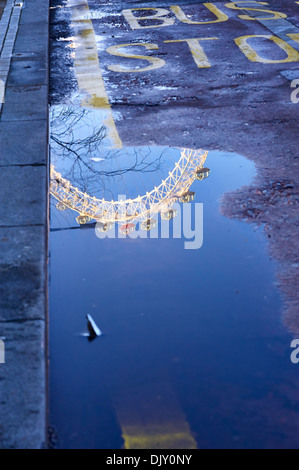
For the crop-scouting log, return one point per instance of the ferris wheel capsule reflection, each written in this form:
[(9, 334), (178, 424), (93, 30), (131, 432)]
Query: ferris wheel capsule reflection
[(170, 214), (202, 173), (148, 224), (104, 226), (188, 196), (60, 206), (83, 219), (127, 228)]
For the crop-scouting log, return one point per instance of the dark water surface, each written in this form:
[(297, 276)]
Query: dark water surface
[(194, 352)]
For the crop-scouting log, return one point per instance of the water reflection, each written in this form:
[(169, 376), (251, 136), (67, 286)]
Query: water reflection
[(79, 146), (152, 418), (272, 205), (195, 354), (179, 330), (159, 200), (150, 374)]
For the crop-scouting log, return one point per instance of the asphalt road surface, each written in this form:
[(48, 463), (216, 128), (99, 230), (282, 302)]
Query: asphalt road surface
[(219, 76)]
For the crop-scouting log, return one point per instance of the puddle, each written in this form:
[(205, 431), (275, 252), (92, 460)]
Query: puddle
[(174, 320), (193, 352)]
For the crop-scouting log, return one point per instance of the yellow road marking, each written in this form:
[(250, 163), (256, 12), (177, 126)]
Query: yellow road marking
[(88, 70), (167, 438), (182, 17), (252, 55), (276, 15), (155, 62), (198, 54), (159, 15), (294, 36), (151, 417)]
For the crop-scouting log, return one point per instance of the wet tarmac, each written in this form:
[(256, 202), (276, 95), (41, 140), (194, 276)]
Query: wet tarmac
[(2, 6), (196, 345)]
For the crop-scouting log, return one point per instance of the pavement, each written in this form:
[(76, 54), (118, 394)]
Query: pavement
[(24, 222)]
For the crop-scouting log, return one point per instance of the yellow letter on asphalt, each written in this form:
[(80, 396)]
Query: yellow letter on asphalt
[(197, 51), (159, 15), (276, 14), (252, 55), (294, 36), (182, 17), (155, 62)]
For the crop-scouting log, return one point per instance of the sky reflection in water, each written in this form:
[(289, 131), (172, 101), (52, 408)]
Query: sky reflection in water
[(193, 340)]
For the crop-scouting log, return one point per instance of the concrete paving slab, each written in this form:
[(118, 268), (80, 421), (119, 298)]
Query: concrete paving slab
[(25, 103), (13, 136), (21, 291), (24, 190), (35, 12), (31, 38), (22, 383), (28, 71), (22, 245)]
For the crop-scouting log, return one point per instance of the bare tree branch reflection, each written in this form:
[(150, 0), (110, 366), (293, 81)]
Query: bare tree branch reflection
[(82, 148)]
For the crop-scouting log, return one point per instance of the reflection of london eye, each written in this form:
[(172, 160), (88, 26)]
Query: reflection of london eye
[(140, 209)]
